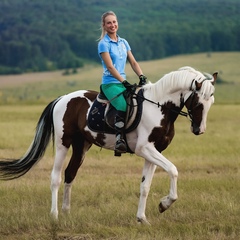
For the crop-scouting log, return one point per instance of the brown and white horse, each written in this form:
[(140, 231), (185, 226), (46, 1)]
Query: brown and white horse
[(66, 119)]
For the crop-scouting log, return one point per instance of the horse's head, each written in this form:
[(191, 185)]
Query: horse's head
[(199, 100)]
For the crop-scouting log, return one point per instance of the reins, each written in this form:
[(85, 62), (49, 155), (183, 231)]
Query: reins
[(182, 113)]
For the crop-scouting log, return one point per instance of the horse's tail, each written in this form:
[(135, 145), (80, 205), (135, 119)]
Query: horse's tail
[(45, 129)]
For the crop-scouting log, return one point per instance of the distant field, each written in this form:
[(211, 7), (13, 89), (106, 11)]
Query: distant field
[(37, 88)]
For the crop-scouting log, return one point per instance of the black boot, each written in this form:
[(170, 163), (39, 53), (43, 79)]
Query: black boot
[(120, 146)]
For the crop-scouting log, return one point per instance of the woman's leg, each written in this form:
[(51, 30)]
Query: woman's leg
[(114, 93)]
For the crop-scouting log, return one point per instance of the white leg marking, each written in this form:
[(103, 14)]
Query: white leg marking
[(147, 175), (150, 153), (56, 178), (67, 197)]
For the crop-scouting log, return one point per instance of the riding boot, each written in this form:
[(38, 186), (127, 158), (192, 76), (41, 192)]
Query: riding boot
[(120, 146)]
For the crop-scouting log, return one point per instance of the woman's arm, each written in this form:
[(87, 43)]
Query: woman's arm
[(134, 64)]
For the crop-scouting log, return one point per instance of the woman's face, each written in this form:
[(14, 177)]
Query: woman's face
[(110, 24)]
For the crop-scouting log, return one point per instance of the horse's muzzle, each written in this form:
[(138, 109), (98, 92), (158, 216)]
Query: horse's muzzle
[(196, 130)]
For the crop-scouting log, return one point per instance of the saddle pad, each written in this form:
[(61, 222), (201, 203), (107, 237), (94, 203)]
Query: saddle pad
[(96, 120)]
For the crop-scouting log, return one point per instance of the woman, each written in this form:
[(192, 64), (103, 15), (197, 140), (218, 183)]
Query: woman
[(113, 52)]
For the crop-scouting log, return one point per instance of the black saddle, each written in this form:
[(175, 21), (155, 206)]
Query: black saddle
[(102, 114)]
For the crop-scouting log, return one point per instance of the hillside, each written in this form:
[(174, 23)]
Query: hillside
[(41, 88), (49, 35)]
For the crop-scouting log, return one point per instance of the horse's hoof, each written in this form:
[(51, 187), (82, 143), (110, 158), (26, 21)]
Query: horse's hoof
[(161, 208), (54, 215), (143, 221), (66, 211)]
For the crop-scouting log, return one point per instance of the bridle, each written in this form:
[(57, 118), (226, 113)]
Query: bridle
[(189, 113)]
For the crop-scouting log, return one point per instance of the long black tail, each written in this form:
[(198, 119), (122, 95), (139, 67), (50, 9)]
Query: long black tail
[(45, 129)]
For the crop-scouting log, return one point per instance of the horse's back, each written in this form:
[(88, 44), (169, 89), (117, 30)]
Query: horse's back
[(70, 113), (79, 96)]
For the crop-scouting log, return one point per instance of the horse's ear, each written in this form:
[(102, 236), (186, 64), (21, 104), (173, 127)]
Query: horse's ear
[(215, 77)]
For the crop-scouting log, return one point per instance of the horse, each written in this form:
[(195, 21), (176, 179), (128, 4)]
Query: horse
[(65, 120)]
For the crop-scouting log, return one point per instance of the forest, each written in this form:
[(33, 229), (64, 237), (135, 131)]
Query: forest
[(62, 34)]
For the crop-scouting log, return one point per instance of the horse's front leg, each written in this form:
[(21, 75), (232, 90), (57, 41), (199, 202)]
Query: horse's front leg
[(147, 175), (150, 153), (167, 201)]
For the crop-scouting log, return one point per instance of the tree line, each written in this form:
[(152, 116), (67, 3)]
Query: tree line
[(48, 35)]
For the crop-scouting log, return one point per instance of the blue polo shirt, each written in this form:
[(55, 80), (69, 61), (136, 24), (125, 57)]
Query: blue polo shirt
[(118, 53)]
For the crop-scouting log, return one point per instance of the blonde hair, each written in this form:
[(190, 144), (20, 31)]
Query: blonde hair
[(103, 21)]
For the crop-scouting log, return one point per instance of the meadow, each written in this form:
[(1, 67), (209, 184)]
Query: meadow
[(105, 193), (41, 88)]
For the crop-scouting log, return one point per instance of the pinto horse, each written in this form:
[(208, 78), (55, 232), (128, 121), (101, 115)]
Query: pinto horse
[(66, 120)]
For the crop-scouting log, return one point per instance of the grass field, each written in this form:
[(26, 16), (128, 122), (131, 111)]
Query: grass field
[(106, 190)]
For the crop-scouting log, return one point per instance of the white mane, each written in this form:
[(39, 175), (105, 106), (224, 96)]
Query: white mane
[(182, 79)]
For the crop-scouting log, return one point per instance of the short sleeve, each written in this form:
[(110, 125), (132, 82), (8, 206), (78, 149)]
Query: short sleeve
[(127, 44), (103, 46)]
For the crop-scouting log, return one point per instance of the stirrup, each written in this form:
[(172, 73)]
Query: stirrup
[(120, 147)]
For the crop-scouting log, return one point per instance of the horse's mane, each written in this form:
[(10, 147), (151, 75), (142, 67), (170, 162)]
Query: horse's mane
[(207, 89), (181, 80)]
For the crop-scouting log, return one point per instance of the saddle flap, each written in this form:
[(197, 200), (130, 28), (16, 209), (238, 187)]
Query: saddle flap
[(101, 116)]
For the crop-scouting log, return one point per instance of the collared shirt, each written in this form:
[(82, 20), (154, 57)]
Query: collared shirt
[(118, 53)]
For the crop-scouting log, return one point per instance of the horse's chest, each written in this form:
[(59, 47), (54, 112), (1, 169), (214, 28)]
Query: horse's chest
[(161, 137)]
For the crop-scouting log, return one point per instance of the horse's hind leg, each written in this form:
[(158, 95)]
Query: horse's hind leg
[(61, 153), (79, 147)]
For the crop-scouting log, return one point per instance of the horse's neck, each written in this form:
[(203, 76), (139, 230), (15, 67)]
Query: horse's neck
[(178, 80), (171, 84)]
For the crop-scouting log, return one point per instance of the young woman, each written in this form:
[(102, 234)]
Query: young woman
[(114, 51)]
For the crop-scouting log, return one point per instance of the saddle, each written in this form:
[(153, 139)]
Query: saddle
[(101, 116)]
